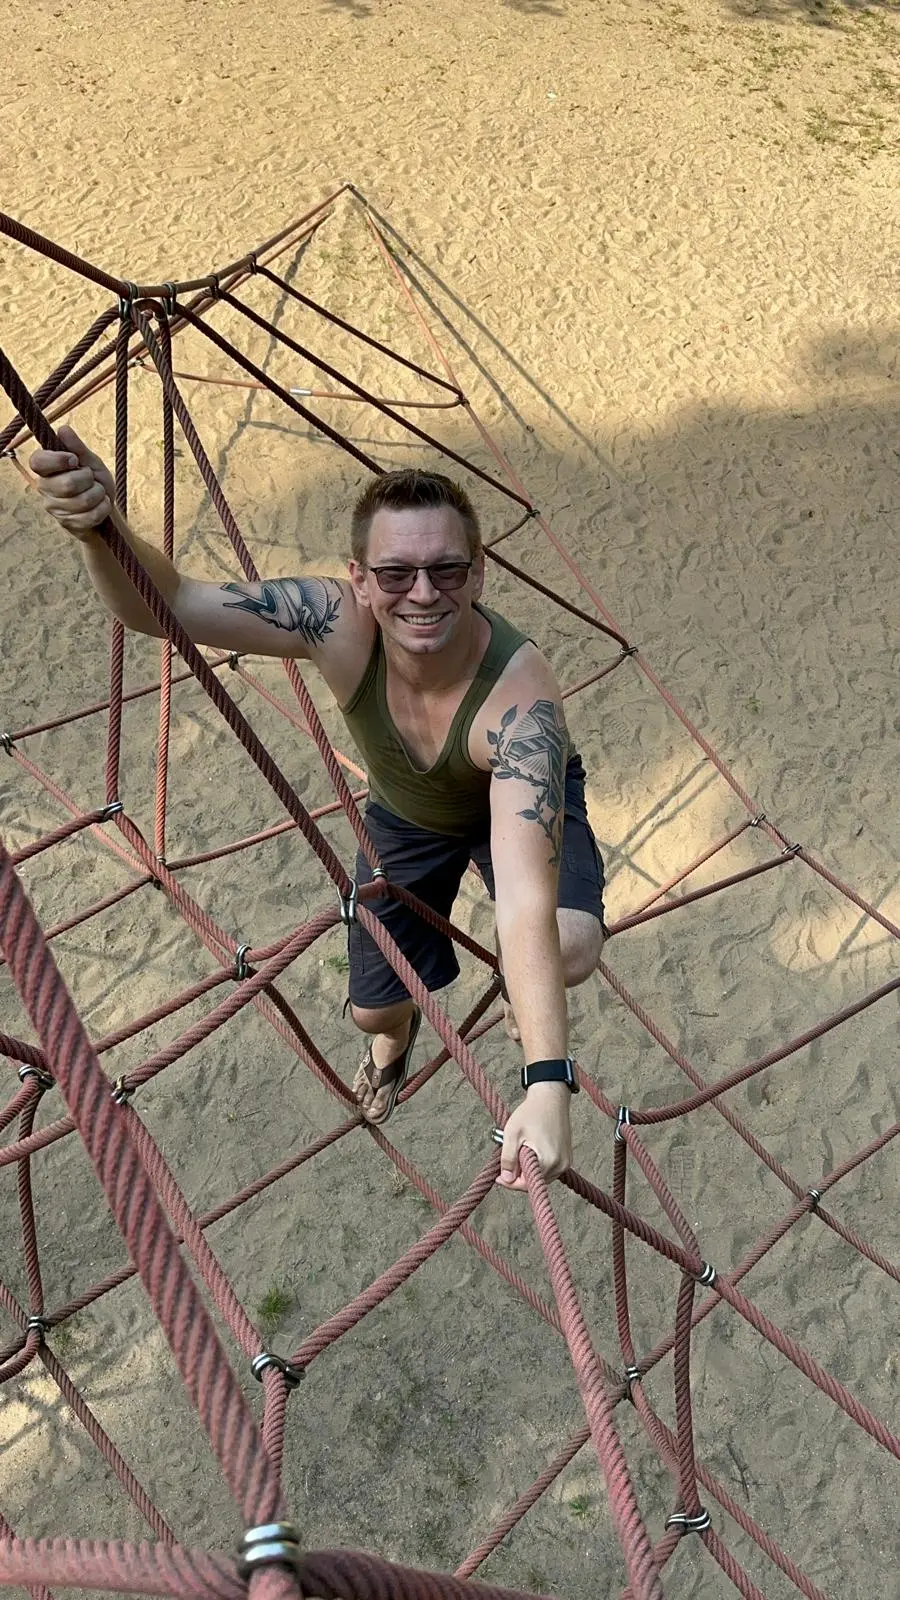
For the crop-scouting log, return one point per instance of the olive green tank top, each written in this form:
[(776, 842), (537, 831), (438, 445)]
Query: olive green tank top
[(450, 797)]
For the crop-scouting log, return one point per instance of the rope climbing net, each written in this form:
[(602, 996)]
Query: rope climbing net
[(165, 1235)]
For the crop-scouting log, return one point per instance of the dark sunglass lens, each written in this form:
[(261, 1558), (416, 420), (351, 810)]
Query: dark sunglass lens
[(395, 580), (451, 576)]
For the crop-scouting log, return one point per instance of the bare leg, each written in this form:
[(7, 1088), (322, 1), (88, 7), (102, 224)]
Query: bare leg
[(580, 941), (390, 1027)]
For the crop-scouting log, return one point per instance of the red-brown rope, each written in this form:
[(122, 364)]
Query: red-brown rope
[(126, 1157)]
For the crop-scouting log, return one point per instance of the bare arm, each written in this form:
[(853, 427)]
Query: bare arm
[(279, 616), (528, 748)]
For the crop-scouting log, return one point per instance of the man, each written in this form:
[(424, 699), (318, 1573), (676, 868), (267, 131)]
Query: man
[(460, 722)]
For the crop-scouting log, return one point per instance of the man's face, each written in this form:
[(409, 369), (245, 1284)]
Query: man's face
[(426, 619)]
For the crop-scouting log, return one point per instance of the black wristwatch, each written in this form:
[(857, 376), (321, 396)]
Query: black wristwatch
[(561, 1071)]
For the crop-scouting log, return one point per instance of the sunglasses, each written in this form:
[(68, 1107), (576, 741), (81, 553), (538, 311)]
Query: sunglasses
[(443, 577)]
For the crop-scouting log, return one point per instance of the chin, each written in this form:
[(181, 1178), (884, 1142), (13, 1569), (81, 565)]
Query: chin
[(424, 647)]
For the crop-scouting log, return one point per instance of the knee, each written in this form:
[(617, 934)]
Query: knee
[(580, 949), (380, 1019)]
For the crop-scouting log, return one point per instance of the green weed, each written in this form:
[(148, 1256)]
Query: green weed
[(273, 1306)]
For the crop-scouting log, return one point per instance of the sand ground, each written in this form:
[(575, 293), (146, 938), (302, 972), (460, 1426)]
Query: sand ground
[(662, 238)]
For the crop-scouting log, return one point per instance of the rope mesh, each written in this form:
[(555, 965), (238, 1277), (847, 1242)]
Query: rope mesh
[(167, 1237)]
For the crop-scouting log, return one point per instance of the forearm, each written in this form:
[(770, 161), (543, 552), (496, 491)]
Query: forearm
[(533, 973), (114, 588)]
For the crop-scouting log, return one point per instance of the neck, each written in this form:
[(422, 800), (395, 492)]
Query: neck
[(446, 667)]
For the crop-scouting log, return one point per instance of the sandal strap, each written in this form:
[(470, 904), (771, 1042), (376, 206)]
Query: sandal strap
[(397, 1068), (387, 1075)]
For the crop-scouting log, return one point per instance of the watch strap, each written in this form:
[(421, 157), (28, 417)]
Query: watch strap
[(560, 1070)]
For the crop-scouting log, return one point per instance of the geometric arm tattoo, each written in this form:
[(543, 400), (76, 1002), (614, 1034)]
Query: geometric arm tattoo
[(533, 748), (307, 606)]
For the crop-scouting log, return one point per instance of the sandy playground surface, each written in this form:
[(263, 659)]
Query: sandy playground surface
[(665, 237)]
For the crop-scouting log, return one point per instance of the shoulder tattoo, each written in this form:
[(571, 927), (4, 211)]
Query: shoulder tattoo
[(308, 606), (533, 748)]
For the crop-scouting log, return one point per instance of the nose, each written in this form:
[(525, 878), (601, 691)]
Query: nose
[(423, 591)]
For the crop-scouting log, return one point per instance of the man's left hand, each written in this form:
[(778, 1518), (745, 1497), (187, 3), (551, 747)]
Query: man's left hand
[(542, 1122)]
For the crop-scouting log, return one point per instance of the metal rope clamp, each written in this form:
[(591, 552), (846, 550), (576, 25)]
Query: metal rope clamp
[(122, 1090), (241, 968), (632, 1376), (6, 743), (623, 1120), (348, 904), (697, 1524), (44, 1079), (39, 1326), (126, 302), (271, 1544), (292, 1375)]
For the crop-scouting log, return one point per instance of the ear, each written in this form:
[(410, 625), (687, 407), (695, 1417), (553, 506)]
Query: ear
[(360, 582), (478, 575)]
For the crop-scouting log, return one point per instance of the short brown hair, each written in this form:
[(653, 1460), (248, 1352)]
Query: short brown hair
[(405, 490)]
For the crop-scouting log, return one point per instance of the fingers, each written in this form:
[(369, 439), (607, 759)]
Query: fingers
[(72, 441), (72, 459), (509, 1175), (75, 486), (59, 484), (50, 463), (77, 505)]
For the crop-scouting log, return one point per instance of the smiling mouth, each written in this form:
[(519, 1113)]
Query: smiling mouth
[(417, 620)]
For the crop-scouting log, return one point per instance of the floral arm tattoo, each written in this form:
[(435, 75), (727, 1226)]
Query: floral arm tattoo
[(308, 606), (533, 747)]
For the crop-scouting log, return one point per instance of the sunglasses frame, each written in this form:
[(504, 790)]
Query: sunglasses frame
[(436, 566)]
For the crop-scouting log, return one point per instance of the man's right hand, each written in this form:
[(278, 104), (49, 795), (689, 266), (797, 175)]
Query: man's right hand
[(75, 486)]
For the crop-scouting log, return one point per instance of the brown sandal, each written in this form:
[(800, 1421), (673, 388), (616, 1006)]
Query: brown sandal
[(394, 1075)]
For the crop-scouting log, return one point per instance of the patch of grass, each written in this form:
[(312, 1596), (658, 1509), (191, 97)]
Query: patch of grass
[(580, 1506), (62, 1339), (821, 127), (396, 1183), (338, 963), (462, 1479), (753, 705), (273, 1306), (864, 132), (434, 1546), (536, 1581)]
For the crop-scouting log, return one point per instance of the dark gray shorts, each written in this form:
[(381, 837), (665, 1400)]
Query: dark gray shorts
[(431, 866)]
